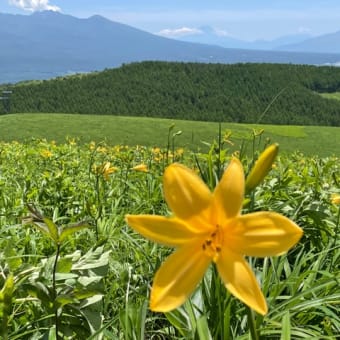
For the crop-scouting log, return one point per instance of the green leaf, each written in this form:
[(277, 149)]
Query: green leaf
[(13, 259), (286, 334), (65, 299), (84, 294), (93, 318), (93, 259), (71, 229), (203, 328), (42, 227), (65, 276), (86, 281), (64, 265), (53, 229), (91, 300), (179, 320)]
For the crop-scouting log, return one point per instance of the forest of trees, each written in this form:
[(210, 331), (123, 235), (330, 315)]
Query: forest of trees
[(247, 93)]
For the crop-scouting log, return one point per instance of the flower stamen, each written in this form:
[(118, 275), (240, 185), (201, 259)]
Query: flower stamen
[(213, 244)]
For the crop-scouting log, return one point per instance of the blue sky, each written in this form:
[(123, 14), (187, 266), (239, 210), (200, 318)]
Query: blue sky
[(242, 19)]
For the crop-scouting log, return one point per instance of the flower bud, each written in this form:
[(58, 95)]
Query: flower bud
[(262, 166)]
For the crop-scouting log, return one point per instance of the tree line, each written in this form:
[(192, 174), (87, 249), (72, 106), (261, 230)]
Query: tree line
[(244, 93)]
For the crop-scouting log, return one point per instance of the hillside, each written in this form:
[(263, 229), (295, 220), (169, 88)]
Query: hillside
[(244, 93), (328, 43), (151, 132), (48, 44)]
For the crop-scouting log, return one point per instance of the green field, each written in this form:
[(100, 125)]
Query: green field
[(334, 95), (74, 264), (311, 140)]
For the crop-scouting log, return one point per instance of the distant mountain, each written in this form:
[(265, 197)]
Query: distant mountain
[(284, 40), (327, 43), (212, 36), (47, 44)]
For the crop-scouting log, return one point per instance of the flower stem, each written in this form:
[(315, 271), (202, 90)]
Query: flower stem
[(335, 239), (54, 288), (252, 324)]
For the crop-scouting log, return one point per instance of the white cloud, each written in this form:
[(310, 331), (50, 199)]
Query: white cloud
[(222, 33), (34, 5), (179, 32)]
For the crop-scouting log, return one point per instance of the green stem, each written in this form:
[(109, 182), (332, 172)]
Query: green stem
[(335, 239), (252, 324), (54, 288), (99, 206), (4, 330)]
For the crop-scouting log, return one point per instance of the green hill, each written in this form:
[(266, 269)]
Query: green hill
[(132, 131), (242, 93)]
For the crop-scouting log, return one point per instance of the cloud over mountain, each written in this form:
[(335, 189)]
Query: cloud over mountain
[(34, 5), (179, 32)]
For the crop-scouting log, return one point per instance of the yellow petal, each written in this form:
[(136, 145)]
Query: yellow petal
[(186, 194), (178, 277), (164, 230), (228, 195), (263, 234), (240, 280)]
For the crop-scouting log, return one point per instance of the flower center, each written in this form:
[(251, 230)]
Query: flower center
[(213, 244)]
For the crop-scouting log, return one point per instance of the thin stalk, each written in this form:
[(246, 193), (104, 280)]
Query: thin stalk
[(219, 162), (227, 317), (54, 288), (335, 239), (99, 206), (4, 327), (252, 324)]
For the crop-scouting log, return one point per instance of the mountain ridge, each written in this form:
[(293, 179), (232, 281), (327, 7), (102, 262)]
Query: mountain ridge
[(48, 44), (327, 43)]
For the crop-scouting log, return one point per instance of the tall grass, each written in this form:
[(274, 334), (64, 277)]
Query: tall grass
[(94, 281)]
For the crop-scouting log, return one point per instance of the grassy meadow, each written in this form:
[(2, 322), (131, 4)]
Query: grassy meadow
[(72, 268), (310, 140), (334, 95)]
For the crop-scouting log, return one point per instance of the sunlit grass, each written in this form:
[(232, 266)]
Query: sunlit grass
[(322, 141), (333, 95), (70, 182)]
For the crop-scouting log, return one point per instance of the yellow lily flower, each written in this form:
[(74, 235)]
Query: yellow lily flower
[(46, 153), (107, 170), (208, 227), (335, 199), (141, 167)]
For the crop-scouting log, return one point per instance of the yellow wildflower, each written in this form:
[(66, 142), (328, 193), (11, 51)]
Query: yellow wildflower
[(72, 141), (46, 153), (156, 150), (180, 152), (92, 145), (141, 167), (208, 227), (101, 149), (335, 199), (107, 170)]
